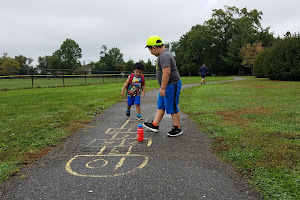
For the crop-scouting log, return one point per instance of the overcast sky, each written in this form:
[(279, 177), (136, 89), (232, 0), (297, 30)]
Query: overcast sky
[(35, 28)]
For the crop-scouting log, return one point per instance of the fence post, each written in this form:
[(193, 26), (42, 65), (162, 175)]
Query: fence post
[(85, 77), (32, 85), (63, 80)]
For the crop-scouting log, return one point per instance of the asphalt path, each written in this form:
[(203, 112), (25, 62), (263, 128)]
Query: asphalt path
[(104, 160)]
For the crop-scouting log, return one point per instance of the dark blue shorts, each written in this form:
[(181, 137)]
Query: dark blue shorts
[(203, 75), (133, 100), (169, 103)]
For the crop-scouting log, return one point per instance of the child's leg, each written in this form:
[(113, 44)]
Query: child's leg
[(130, 102), (158, 116), (137, 102), (160, 110), (176, 119), (138, 109), (172, 101)]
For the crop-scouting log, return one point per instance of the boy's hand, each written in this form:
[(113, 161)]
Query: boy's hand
[(122, 93), (143, 94), (162, 92)]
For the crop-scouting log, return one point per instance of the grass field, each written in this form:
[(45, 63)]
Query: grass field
[(254, 124), (43, 82), (9, 84)]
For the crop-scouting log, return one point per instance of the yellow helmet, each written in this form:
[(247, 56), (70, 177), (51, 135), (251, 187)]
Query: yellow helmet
[(154, 40)]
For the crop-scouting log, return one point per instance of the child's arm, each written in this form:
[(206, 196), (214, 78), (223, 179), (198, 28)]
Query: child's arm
[(143, 89), (125, 85)]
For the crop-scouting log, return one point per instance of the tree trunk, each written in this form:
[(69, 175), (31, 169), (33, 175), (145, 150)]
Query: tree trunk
[(252, 70)]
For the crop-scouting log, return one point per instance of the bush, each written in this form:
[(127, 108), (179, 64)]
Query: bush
[(261, 64), (281, 61)]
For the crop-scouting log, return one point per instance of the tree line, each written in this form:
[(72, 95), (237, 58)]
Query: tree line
[(67, 57), (228, 44)]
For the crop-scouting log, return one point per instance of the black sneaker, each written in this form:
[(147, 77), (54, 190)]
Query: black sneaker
[(139, 117), (175, 132), (151, 127)]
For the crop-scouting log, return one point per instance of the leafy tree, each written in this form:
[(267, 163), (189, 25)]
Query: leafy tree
[(249, 53), (43, 64), (149, 67), (222, 25), (107, 63), (193, 49), (281, 61), (233, 29), (69, 54), (24, 64), (288, 34), (117, 56), (2, 59), (261, 64), (120, 67), (129, 65), (55, 62), (246, 28), (9, 66), (110, 60)]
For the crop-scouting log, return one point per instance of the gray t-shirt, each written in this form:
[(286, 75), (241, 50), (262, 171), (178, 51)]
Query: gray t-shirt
[(166, 59)]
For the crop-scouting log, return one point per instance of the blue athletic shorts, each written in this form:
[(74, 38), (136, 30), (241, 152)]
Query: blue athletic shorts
[(134, 100), (169, 103)]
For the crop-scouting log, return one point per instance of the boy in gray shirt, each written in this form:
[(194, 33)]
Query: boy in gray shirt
[(170, 85)]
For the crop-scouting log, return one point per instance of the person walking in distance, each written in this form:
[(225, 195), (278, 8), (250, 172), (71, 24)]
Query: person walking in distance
[(203, 72), (170, 85)]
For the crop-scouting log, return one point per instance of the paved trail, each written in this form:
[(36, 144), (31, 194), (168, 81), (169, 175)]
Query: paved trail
[(104, 161)]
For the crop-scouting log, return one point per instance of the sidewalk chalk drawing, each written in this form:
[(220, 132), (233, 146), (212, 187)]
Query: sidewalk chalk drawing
[(115, 157)]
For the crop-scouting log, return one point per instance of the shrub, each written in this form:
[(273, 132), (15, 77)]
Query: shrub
[(281, 61), (261, 64)]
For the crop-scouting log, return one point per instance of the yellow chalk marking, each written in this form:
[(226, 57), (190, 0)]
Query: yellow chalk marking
[(108, 130), (149, 142), (122, 143), (129, 150), (120, 163), (113, 137), (68, 167), (114, 151), (88, 164), (119, 140), (91, 142), (101, 150), (122, 127)]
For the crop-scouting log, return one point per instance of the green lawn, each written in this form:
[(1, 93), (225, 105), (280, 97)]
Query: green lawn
[(25, 83), (255, 124), (38, 82)]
